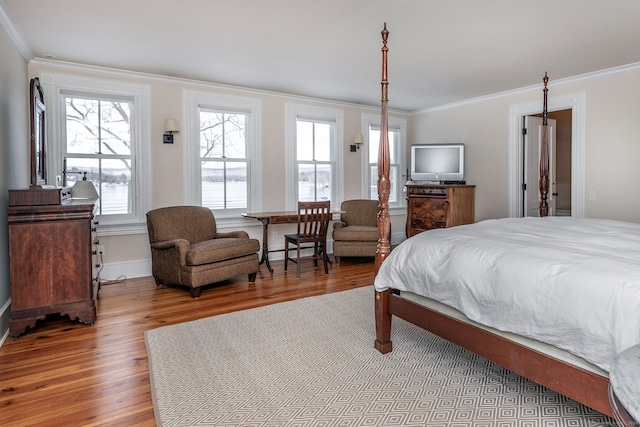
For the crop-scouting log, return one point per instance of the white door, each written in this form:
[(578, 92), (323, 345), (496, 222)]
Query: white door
[(531, 154)]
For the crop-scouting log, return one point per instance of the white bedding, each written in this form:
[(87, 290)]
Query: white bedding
[(573, 283)]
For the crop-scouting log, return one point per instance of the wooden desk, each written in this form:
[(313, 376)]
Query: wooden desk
[(267, 218)]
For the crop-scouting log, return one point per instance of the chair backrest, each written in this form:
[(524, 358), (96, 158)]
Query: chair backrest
[(313, 221), (360, 212), (193, 223)]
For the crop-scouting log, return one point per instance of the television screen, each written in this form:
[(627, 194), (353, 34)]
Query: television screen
[(437, 162)]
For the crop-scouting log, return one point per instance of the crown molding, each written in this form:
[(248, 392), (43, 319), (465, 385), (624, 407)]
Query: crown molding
[(8, 26), (536, 87), (114, 72)]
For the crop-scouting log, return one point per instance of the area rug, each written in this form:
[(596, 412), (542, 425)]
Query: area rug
[(311, 362)]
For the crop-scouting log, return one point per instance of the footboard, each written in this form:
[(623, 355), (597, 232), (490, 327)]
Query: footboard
[(572, 381)]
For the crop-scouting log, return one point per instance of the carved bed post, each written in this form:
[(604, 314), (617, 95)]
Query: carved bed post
[(544, 155), (383, 318)]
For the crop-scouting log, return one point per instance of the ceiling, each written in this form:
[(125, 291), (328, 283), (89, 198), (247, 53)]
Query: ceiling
[(440, 52)]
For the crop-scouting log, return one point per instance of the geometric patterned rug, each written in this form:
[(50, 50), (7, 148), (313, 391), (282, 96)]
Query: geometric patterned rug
[(311, 362)]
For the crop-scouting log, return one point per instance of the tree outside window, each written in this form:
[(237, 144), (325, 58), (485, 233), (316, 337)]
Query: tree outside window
[(223, 159), (314, 160), (99, 147)]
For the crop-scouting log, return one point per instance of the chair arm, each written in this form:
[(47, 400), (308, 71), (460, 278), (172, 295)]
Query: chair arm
[(240, 234), (339, 224), (172, 249)]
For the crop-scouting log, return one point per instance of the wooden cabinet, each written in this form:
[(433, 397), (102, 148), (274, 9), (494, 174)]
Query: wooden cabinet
[(438, 206), (51, 260)]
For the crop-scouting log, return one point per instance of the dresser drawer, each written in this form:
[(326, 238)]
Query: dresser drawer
[(428, 192), (421, 224), (431, 209), (284, 220)]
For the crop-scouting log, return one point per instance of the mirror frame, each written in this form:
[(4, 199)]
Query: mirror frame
[(38, 134)]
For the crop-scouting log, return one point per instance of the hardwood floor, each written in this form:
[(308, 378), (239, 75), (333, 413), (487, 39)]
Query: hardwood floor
[(62, 373)]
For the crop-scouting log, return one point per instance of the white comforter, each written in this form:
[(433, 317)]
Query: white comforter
[(573, 283)]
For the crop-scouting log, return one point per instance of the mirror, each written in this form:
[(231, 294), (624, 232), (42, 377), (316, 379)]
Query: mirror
[(38, 137)]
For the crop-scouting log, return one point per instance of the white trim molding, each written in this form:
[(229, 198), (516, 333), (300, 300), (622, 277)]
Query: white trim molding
[(192, 100), (577, 104)]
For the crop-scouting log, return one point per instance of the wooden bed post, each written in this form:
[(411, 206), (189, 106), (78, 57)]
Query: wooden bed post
[(544, 155), (383, 318)]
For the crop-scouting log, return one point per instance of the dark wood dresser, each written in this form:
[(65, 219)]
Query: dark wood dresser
[(51, 257), (432, 206)]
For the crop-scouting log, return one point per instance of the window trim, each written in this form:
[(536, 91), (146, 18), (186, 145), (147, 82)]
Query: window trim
[(394, 123), (292, 112), (192, 102), (56, 87)]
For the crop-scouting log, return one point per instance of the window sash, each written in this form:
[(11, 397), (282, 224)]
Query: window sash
[(327, 180), (91, 160), (224, 178), (397, 164), (227, 213)]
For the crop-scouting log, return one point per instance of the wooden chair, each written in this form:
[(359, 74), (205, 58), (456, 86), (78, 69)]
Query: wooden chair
[(313, 221)]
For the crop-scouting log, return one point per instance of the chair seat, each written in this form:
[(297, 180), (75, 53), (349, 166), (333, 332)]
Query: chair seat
[(356, 233), (220, 250)]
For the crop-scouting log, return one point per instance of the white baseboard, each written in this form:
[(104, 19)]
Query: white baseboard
[(125, 270), (142, 268), (5, 313)]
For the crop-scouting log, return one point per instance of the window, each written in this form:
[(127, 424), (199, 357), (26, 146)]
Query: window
[(314, 160), (397, 163), (98, 147), (223, 160), (222, 153), (100, 129), (314, 136)]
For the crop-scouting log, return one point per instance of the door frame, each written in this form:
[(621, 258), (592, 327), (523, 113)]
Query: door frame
[(576, 103)]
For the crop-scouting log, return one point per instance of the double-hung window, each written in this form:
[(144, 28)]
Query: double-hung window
[(99, 130), (314, 162), (222, 153), (314, 170), (397, 163), (223, 160), (98, 147)]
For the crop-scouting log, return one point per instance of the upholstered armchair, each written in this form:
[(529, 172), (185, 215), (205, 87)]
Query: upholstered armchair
[(356, 234), (187, 250)]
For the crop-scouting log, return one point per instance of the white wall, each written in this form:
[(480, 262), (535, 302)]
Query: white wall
[(612, 141), (130, 255), (14, 151)]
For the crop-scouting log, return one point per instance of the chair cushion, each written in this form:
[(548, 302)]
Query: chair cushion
[(358, 233), (220, 249), (192, 223), (360, 212)]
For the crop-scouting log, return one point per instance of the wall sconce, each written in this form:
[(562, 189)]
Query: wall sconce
[(357, 141), (170, 126)]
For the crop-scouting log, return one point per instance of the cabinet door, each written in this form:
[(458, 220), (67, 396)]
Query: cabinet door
[(71, 244), (30, 264)]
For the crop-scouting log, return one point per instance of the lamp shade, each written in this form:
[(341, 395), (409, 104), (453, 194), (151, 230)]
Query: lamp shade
[(84, 190), (358, 139), (171, 125)]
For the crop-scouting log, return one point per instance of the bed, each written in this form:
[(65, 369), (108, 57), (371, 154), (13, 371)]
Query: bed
[(475, 285)]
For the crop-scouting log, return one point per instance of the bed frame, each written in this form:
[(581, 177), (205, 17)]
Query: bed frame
[(574, 382)]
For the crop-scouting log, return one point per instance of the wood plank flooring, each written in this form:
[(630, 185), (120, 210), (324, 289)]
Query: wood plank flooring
[(62, 373)]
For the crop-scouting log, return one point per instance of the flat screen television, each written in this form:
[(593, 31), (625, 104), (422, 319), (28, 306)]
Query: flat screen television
[(441, 163)]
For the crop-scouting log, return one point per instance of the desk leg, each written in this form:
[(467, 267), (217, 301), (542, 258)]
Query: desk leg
[(265, 244)]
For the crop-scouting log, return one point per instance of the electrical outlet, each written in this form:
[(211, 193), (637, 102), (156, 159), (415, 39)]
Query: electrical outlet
[(592, 196), (101, 250)]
